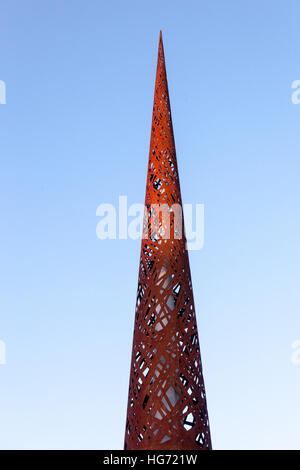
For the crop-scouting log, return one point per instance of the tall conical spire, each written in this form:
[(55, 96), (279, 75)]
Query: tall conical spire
[(166, 401)]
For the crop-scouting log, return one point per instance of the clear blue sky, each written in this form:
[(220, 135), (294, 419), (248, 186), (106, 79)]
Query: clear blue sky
[(75, 133)]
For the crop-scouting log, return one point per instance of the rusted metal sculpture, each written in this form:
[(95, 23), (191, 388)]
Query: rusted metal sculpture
[(166, 402)]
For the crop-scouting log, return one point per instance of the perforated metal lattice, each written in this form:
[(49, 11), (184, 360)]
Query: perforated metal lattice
[(166, 402)]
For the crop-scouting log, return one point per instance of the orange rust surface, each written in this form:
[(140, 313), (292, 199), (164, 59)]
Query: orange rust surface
[(166, 401)]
